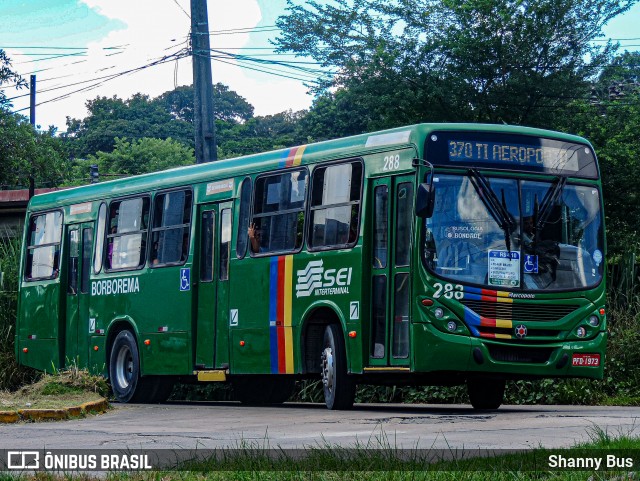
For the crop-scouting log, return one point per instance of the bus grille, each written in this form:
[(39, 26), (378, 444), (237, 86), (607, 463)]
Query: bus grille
[(519, 354), (520, 311)]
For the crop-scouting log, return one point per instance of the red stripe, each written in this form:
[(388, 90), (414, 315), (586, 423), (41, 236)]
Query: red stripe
[(487, 335), (487, 292), (486, 322), (489, 299), (282, 360), (291, 157)]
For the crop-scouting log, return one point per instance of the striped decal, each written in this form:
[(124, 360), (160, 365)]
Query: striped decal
[(292, 157), (280, 330), (474, 321)]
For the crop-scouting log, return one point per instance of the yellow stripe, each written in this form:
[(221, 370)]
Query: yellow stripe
[(502, 293), (503, 336), (288, 331), (507, 300), (504, 323), (298, 157)]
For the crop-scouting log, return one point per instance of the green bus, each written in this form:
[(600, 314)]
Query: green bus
[(433, 254)]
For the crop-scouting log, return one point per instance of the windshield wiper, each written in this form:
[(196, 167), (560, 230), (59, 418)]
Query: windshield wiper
[(543, 211), (497, 210)]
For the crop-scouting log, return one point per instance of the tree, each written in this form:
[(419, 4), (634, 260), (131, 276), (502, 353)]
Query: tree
[(511, 61), (132, 158), (228, 105), (610, 119), (132, 119), (25, 152), (8, 75)]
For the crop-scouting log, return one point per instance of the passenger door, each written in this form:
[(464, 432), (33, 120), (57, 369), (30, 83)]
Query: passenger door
[(390, 270), (212, 324), (79, 238)]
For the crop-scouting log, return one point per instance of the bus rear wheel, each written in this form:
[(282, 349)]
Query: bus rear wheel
[(339, 388), (486, 393)]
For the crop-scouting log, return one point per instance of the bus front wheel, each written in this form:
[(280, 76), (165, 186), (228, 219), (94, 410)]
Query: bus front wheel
[(339, 388), (486, 393)]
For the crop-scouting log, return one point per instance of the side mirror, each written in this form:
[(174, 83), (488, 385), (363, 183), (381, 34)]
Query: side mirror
[(425, 200)]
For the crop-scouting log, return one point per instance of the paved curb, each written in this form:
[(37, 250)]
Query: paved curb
[(98, 406)]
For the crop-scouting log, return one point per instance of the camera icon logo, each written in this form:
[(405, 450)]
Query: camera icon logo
[(23, 460)]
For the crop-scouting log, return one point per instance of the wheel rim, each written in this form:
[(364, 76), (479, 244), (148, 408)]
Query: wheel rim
[(327, 369), (124, 367)]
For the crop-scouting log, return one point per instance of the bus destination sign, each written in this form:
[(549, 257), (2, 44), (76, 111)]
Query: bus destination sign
[(526, 155), (506, 151)]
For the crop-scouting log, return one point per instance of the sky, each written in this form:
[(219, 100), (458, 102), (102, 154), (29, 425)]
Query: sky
[(75, 47)]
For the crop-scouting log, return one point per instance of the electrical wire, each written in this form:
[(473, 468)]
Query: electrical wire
[(102, 80)]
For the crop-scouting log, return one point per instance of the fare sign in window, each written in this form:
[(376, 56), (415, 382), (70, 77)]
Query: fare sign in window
[(504, 268)]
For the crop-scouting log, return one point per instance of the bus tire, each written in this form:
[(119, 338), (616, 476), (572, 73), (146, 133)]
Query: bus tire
[(339, 388), (485, 393), (124, 369)]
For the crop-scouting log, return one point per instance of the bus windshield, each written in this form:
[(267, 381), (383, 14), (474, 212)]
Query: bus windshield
[(504, 233)]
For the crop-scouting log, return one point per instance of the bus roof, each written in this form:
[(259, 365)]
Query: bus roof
[(412, 135)]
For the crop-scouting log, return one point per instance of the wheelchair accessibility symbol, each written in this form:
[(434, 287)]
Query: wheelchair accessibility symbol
[(530, 264), (185, 279)]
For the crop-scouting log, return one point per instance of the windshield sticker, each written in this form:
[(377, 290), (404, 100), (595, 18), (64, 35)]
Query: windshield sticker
[(464, 232), (530, 264), (597, 257), (504, 268)]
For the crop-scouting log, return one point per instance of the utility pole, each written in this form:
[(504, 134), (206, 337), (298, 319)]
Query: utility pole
[(203, 116), (32, 120)]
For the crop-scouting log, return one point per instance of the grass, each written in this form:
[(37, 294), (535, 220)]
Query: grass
[(67, 388)]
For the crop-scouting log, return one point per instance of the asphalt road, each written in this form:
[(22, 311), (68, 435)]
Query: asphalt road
[(214, 425)]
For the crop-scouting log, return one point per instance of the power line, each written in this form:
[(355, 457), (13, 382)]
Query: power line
[(183, 10), (101, 80)]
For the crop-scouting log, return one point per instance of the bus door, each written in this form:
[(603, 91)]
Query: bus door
[(79, 238), (390, 258), (214, 247)]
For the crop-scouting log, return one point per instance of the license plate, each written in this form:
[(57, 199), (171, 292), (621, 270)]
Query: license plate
[(586, 360)]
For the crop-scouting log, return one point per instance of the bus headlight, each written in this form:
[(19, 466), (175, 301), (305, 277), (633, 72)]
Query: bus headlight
[(581, 332), (452, 326), (594, 321), (438, 312)]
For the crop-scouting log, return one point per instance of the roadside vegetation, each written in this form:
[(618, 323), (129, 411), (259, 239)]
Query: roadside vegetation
[(68, 388)]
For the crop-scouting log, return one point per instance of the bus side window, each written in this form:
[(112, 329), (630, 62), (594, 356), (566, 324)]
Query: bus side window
[(72, 267), (380, 226), (127, 236), (87, 243), (278, 212), (170, 233), (243, 218), (335, 206), (100, 228), (225, 243), (43, 249)]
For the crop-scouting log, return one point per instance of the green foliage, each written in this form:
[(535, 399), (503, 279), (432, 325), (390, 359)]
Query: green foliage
[(132, 119), (404, 61), (136, 157), (12, 375), (7, 75), (25, 151), (228, 105)]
